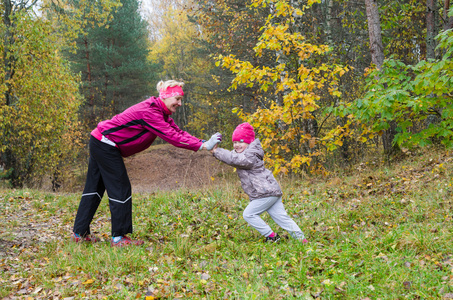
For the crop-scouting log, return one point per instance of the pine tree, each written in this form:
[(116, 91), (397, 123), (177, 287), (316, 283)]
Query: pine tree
[(113, 61)]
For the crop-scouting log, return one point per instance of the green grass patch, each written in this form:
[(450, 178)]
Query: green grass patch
[(382, 233)]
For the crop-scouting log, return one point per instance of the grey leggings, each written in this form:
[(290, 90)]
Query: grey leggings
[(274, 207)]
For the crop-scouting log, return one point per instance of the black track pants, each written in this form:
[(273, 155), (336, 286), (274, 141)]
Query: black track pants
[(106, 171)]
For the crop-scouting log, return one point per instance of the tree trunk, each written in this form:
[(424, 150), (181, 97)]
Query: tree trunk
[(377, 58), (89, 77), (431, 32), (309, 125), (344, 148), (329, 4), (374, 31), (430, 29), (7, 158), (8, 39), (448, 21)]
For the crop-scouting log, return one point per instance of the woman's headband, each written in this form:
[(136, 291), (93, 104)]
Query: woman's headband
[(171, 91)]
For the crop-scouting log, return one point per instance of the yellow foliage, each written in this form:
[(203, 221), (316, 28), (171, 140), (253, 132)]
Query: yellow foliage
[(40, 128), (173, 42), (283, 127)]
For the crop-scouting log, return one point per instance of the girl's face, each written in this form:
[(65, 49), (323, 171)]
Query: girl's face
[(240, 146), (173, 103)]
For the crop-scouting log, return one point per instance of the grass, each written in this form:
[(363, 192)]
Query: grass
[(380, 233)]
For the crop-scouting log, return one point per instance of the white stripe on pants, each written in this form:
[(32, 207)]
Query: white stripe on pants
[(274, 207)]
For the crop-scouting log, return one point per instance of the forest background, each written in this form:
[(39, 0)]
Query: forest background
[(337, 91), (325, 83)]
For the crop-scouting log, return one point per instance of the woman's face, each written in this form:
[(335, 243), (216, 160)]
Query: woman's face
[(173, 103), (239, 146)]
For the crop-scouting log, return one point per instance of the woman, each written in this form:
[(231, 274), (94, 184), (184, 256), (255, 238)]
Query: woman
[(127, 133)]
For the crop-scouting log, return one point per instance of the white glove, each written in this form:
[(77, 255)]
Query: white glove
[(214, 140)]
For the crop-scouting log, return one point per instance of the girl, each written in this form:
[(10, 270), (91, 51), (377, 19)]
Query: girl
[(258, 183)]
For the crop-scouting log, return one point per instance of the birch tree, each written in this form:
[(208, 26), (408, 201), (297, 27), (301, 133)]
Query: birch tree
[(377, 58), (431, 9), (374, 32)]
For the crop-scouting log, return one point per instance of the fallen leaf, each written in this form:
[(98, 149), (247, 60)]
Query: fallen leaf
[(407, 284), (327, 282), (88, 281), (316, 295)]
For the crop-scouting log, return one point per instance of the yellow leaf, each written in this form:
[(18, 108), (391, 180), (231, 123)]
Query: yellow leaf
[(89, 281)]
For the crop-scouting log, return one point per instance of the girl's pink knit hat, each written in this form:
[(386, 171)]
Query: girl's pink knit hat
[(244, 133)]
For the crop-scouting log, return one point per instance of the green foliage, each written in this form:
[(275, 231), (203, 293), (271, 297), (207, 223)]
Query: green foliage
[(403, 26), (409, 95), (73, 18), (38, 128)]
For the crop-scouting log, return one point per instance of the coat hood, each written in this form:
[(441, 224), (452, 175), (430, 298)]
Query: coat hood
[(256, 148)]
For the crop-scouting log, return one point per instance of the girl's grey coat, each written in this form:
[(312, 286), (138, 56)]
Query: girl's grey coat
[(257, 181)]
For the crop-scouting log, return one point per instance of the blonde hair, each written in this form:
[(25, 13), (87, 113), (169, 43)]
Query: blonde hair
[(163, 85)]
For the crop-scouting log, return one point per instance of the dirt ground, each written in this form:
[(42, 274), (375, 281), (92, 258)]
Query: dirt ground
[(165, 167)]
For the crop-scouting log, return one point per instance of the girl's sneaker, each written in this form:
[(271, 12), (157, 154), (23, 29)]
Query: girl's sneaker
[(75, 237), (126, 241), (274, 239)]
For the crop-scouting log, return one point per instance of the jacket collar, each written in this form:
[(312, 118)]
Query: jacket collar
[(162, 104)]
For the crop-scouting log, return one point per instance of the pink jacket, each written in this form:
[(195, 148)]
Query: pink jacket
[(136, 128)]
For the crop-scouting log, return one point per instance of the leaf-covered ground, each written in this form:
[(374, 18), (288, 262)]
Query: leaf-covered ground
[(381, 233)]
